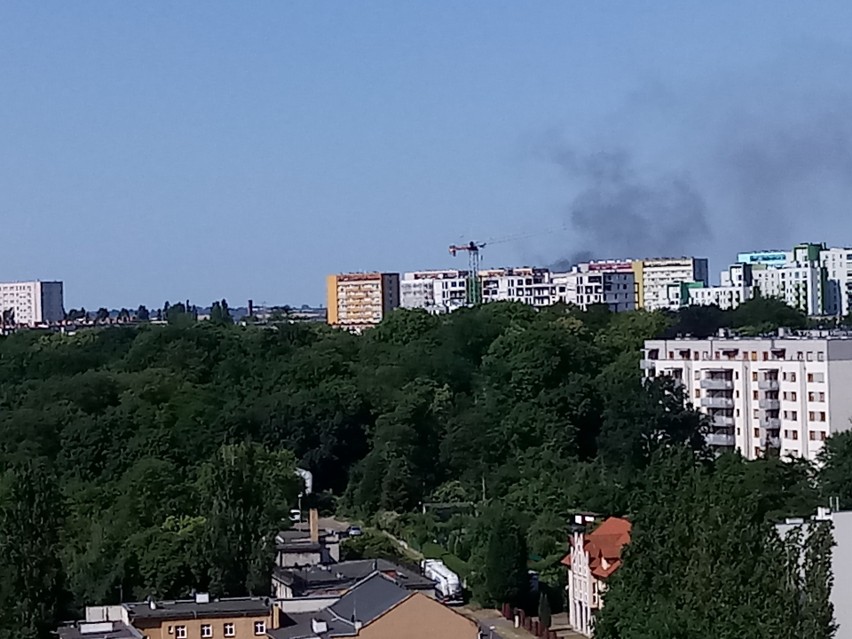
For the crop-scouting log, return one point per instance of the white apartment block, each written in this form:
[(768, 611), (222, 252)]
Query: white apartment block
[(524, 284), (654, 278), (32, 303), (785, 393), (609, 283), (435, 291), (837, 294), (799, 286), (737, 286)]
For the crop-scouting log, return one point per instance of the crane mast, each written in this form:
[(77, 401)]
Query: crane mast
[(474, 285)]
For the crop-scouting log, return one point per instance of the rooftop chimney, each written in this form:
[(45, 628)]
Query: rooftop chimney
[(313, 519)]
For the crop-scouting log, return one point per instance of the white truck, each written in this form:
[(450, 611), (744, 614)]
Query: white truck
[(448, 586)]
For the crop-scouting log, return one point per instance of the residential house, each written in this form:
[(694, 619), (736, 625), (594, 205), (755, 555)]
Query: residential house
[(593, 559), (202, 617), (316, 587), (377, 607)]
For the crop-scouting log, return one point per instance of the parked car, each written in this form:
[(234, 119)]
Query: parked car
[(355, 531), (295, 515)]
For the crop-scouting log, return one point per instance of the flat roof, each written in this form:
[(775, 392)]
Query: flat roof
[(192, 609)]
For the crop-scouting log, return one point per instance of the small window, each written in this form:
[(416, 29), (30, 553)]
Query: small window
[(697, 393), (180, 632), (810, 377), (206, 630), (793, 396), (754, 395), (754, 376), (794, 414), (822, 416), (792, 377), (812, 435), (795, 434), (757, 433), (229, 630), (822, 436), (812, 416), (756, 414), (259, 627)]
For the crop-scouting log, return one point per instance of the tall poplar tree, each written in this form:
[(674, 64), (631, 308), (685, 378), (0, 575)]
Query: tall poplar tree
[(31, 578)]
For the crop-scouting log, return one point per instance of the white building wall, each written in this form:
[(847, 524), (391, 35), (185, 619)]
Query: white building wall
[(785, 393), (837, 263), (798, 286), (33, 302), (659, 274)]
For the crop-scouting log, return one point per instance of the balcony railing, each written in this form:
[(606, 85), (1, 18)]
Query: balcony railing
[(768, 384), (717, 402), (719, 439), (723, 420), (716, 384), (770, 404)]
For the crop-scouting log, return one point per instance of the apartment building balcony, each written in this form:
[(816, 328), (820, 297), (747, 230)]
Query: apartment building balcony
[(771, 423), (723, 420), (772, 442), (768, 385), (719, 439), (647, 364), (716, 384), (717, 402), (770, 404)]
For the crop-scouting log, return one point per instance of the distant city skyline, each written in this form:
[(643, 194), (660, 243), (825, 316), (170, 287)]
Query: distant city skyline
[(155, 152)]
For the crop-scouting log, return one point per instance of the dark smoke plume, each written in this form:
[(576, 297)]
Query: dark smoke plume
[(620, 213)]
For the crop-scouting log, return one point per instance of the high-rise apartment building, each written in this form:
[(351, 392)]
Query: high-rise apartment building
[(655, 276), (435, 291), (32, 303), (611, 283), (359, 300), (786, 393)]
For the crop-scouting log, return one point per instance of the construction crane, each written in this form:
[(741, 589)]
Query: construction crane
[(474, 286)]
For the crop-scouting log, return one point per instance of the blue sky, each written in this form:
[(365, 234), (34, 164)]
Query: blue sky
[(160, 150)]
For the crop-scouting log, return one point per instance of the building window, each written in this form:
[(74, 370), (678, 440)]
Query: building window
[(754, 395), (206, 630), (754, 376), (812, 416), (260, 627), (812, 435), (229, 630), (697, 393), (757, 433), (793, 396), (810, 377), (756, 414), (180, 632), (823, 435), (822, 416), (794, 414), (792, 377), (811, 396), (795, 434)]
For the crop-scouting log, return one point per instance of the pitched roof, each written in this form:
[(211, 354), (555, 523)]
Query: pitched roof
[(368, 600), (340, 576), (419, 617), (604, 545)]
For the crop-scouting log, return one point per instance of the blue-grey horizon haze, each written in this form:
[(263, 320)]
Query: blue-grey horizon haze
[(154, 151)]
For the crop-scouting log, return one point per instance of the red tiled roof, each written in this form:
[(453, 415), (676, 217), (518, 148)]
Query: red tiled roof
[(605, 543)]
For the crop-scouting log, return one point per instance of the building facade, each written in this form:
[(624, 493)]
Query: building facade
[(360, 300), (783, 394), (202, 617), (594, 558), (655, 276), (32, 303), (610, 283), (436, 291)]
